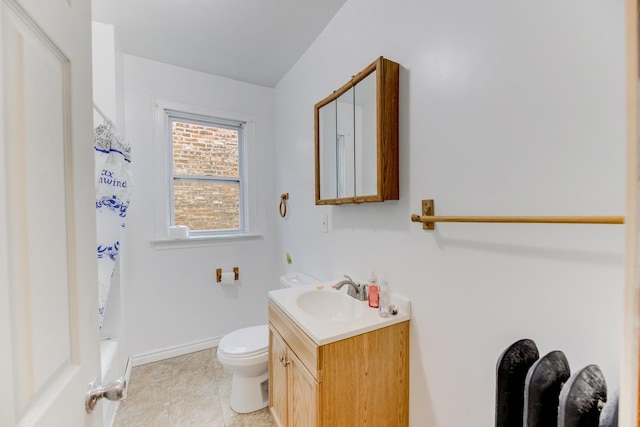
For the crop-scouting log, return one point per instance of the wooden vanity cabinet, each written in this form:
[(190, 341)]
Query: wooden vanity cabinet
[(362, 380)]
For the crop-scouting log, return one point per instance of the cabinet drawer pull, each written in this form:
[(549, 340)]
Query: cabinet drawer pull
[(284, 361)]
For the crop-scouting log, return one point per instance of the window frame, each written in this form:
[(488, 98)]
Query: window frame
[(165, 112), (218, 122)]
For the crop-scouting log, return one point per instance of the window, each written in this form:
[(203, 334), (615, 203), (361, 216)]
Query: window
[(207, 173)]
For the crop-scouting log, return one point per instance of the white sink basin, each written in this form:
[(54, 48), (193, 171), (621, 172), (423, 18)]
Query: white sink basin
[(330, 305), (328, 315)]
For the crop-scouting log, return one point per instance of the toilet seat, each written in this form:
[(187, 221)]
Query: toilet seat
[(246, 342)]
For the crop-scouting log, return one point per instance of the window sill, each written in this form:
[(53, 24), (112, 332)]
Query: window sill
[(198, 241)]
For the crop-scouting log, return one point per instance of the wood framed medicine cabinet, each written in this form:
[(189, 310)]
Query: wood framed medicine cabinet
[(356, 138)]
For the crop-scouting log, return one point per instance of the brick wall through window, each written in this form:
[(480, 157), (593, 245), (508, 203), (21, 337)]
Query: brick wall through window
[(206, 151)]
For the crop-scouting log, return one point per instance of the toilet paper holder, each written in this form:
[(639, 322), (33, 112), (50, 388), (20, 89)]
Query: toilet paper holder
[(236, 272)]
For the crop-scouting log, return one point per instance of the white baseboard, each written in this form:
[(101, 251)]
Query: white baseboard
[(167, 353)]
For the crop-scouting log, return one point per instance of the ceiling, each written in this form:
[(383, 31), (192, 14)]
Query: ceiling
[(255, 41)]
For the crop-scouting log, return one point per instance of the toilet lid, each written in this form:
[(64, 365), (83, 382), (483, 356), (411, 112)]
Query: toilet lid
[(245, 342)]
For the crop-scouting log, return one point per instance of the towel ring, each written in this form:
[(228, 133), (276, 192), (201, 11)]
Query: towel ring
[(283, 204)]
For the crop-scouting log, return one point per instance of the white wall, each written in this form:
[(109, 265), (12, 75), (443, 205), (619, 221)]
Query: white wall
[(506, 108), (170, 295), (103, 69)]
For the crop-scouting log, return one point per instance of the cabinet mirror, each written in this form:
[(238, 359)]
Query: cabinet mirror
[(356, 138)]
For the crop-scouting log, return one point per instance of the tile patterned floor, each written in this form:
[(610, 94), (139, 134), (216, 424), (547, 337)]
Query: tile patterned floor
[(191, 390)]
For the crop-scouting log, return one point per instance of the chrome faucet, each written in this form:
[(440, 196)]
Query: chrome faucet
[(355, 290)]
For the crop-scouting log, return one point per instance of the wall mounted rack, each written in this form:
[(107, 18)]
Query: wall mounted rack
[(428, 218)]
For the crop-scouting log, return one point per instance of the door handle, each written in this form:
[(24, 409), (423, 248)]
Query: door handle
[(115, 390)]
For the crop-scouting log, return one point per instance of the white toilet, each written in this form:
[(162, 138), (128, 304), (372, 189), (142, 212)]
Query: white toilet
[(245, 353)]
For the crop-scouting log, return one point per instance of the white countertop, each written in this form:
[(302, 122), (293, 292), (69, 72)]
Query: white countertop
[(325, 331)]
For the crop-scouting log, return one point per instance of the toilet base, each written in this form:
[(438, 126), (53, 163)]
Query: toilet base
[(249, 394)]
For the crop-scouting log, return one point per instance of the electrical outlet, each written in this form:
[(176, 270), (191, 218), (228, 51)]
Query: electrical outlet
[(324, 225)]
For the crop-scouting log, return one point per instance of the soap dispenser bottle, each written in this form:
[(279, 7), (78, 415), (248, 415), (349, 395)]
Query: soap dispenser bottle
[(373, 291)]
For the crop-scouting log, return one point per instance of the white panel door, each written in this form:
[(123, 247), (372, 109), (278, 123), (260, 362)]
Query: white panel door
[(49, 338)]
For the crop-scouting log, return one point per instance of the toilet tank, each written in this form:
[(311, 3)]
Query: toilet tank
[(292, 279)]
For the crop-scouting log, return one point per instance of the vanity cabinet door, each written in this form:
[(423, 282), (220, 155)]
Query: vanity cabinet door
[(278, 376), (303, 395), (293, 391)]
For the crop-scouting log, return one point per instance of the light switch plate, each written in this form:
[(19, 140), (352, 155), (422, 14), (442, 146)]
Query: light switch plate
[(324, 225)]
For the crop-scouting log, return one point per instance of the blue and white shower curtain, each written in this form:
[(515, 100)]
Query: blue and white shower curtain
[(113, 193)]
